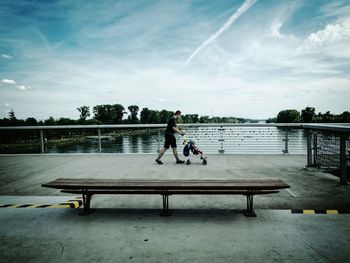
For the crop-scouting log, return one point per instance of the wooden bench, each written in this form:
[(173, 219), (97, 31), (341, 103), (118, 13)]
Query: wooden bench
[(89, 187)]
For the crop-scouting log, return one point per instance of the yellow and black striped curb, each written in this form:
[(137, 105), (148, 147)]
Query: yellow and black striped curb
[(76, 203), (316, 211)]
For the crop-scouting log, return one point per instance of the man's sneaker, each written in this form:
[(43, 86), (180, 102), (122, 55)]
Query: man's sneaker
[(180, 161), (159, 161)]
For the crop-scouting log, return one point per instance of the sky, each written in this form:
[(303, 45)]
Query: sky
[(242, 58)]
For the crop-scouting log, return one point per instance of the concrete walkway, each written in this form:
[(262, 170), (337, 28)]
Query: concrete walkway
[(201, 228)]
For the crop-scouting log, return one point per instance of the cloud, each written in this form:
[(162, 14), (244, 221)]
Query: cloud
[(265, 61), (244, 7), (8, 81), (332, 33), (7, 104), (22, 87), (6, 56)]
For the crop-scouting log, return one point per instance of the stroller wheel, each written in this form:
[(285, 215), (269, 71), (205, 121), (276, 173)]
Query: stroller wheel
[(204, 161), (188, 162)]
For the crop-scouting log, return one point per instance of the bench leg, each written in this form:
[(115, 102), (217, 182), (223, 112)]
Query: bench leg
[(250, 211), (86, 203), (165, 211)]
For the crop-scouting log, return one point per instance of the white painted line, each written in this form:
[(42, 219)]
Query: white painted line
[(291, 193)]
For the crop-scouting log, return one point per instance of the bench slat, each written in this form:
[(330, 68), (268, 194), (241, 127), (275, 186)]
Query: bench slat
[(171, 192), (239, 184)]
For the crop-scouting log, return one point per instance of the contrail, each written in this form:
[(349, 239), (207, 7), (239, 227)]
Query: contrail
[(243, 8)]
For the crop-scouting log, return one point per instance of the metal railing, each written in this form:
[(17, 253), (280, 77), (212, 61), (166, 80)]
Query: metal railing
[(212, 138), (328, 146)]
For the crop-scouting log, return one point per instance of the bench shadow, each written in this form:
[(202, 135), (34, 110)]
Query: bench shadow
[(155, 214)]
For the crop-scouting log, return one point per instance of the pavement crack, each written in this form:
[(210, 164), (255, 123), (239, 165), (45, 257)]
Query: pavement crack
[(62, 247)]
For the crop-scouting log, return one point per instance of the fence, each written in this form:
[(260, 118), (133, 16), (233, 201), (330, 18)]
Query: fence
[(329, 146), (326, 145), (211, 138)]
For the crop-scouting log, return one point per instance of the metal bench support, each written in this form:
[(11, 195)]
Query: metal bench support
[(250, 209), (86, 202), (165, 211)]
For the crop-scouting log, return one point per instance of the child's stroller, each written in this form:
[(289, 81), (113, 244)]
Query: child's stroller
[(191, 149)]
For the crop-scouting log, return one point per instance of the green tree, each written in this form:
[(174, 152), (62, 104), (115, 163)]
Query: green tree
[(109, 113), (288, 116), (31, 122), (345, 117), (195, 118), (327, 117), (13, 119), (12, 116), (50, 121), (155, 117), (307, 114), (145, 115), (165, 116), (65, 121), (216, 120), (84, 112), (271, 120), (134, 109), (204, 119)]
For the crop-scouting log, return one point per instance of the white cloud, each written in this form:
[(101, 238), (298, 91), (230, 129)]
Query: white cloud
[(241, 10), (7, 104), (332, 33), (8, 81), (22, 87), (6, 56)]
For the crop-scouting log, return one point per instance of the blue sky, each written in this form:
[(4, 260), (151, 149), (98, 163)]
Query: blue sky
[(240, 58)]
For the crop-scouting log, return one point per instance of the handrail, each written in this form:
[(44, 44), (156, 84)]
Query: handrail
[(343, 127), (320, 126), (126, 126)]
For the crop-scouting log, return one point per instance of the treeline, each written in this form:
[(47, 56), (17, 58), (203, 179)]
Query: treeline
[(114, 114), (308, 115)]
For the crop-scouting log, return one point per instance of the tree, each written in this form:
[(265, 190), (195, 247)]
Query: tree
[(50, 121), (84, 112), (65, 121), (345, 117), (288, 116), (307, 114), (31, 122), (13, 119), (165, 116), (327, 117), (271, 120), (117, 113), (155, 117), (204, 119), (134, 109), (109, 113), (145, 115)]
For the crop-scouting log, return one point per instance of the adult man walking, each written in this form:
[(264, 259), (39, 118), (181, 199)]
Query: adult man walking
[(170, 139)]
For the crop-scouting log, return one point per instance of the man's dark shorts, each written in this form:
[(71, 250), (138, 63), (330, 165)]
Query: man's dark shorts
[(170, 140)]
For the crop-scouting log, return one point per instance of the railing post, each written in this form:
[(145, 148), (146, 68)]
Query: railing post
[(99, 140), (285, 141), (42, 141), (315, 149), (343, 168), (221, 140), (158, 141), (309, 148)]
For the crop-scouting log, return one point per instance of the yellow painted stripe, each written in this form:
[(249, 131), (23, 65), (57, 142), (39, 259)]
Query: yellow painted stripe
[(309, 212), (332, 212), (75, 203), (13, 206), (58, 206)]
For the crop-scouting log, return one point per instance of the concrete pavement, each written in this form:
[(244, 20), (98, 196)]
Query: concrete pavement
[(201, 228)]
